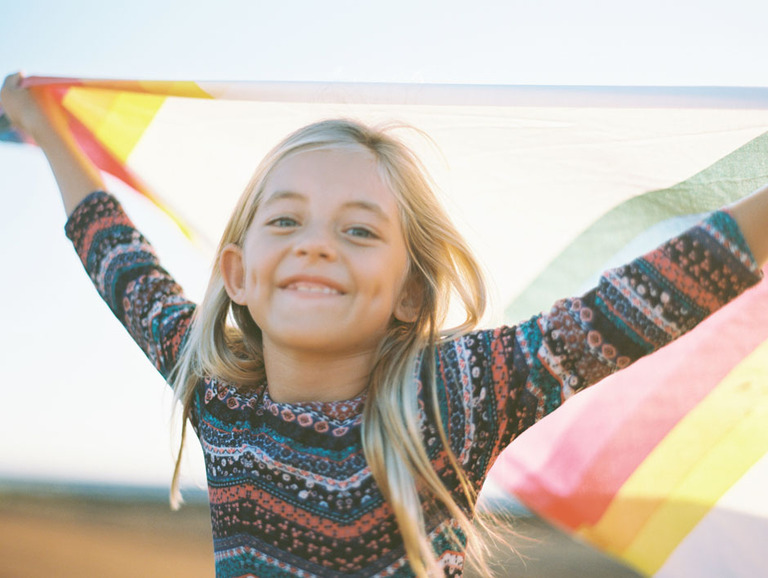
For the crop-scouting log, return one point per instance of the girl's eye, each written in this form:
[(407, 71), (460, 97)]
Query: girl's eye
[(361, 232), (283, 222)]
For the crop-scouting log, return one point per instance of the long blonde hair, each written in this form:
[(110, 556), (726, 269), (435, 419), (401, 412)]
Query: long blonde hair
[(441, 266)]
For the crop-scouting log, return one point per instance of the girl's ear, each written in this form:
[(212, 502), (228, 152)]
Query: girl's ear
[(233, 272), (411, 299)]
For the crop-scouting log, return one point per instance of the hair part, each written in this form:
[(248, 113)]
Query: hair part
[(225, 342)]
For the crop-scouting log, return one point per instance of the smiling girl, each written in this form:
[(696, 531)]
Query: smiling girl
[(346, 432)]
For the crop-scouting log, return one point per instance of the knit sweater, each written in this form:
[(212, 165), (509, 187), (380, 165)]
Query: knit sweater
[(290, 491)]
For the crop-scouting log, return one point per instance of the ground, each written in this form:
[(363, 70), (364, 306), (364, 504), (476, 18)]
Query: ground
[(93, 534)]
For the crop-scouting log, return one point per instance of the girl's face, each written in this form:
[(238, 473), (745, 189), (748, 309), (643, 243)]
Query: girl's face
[(324, 263)]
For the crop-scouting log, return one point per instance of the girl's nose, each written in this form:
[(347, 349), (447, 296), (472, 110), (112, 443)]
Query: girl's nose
[(315, 243)]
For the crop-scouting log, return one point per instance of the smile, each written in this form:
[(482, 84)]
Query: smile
[(305, 287)]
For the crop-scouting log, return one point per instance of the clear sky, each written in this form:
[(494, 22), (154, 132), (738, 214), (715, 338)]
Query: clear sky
[(103, 416), (686, 42)]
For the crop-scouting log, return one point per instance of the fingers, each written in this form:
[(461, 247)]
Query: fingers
[(11, 84), (12, 81), (21, 107)]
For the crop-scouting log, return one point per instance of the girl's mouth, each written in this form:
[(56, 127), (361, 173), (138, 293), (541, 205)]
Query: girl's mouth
[(307, 287)]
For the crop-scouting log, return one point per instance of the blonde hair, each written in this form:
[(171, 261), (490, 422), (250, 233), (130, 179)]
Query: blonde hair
[(441, 266)]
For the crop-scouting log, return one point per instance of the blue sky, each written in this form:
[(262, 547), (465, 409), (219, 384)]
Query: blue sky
[(512, 41), (84, 405)]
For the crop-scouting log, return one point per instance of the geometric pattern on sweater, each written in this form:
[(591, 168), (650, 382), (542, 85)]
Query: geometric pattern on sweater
[(290, 491)]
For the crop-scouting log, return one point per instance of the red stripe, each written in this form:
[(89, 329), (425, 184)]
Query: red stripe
[(91, 146)]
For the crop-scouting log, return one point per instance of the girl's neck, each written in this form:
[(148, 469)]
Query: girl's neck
[(298, 377)]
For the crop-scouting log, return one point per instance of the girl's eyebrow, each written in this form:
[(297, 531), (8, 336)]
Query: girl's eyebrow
[(370, 206), (367, 206), (280, 195)]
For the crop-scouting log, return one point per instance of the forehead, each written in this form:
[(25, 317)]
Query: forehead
[(329, 176)]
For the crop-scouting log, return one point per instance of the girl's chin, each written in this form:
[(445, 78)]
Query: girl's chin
[(318, 340)]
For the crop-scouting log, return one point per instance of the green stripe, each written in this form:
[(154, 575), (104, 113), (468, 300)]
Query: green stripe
[(730, 178)]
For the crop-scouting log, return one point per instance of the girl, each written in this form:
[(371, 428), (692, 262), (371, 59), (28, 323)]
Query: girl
[(345, 432)]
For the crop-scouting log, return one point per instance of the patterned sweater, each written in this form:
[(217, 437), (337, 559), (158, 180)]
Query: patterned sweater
[(290, 491)]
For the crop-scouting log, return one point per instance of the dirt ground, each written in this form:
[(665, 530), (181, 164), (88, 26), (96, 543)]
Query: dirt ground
[(84, 536)]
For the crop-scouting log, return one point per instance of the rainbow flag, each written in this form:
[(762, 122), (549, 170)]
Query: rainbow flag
[(661, 465)]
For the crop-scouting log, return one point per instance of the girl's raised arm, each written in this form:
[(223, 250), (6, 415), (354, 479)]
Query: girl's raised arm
[(33, 113), (119, 260)]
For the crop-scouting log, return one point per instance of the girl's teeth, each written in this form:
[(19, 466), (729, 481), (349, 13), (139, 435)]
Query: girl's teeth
[(314, 289)]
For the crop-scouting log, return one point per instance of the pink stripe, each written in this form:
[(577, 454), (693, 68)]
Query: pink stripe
[(569, 466), (49, 81)]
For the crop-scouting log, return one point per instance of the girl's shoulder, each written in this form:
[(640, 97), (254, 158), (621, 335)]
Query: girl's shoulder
[(485, 356), (481, 342)]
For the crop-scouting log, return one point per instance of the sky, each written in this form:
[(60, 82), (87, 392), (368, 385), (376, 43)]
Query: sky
[(80, 403)]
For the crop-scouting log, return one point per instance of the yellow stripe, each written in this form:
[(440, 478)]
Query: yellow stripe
[(693, 466), (183, 88), (685, 508), (117, 119)]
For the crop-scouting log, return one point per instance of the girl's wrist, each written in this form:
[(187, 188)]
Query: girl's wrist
[(41, 118)]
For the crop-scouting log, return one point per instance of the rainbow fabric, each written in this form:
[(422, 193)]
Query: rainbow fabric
[(662, 465)]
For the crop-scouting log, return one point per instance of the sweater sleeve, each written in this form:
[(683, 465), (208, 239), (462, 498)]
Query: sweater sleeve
[(126, 273), (643, 305), (497, 383)]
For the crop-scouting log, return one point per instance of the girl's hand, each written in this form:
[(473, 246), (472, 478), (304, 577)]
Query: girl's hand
[(28, 110), (37, 114)]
